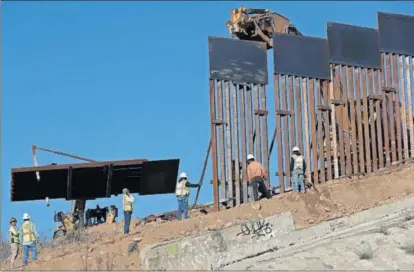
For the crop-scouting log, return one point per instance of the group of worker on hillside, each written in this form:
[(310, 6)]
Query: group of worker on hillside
[(256, 176)]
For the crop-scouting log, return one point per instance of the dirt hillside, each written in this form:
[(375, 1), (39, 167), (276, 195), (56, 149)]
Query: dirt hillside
[(103, 247)]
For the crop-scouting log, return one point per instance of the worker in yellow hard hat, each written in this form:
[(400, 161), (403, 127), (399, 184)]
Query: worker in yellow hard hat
[(14, 239), (29, 237)]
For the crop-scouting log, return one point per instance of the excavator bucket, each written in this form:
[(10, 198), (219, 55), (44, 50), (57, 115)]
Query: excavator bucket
[(258, 25)]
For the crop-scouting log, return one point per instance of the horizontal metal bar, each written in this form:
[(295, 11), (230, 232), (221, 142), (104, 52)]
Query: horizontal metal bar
[(261, 112), (219, 122), (324, 108), (375, 97), (389, 89), (283, 112), (337, 102)]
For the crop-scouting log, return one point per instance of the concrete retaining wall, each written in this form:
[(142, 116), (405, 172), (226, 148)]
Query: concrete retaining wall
[(219, 248)]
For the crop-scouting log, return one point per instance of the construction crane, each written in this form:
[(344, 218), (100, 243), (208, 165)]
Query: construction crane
[(77, 205), (258, 25)]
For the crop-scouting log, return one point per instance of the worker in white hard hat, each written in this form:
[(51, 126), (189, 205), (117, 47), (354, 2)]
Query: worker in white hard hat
[(256, 175), (29, 237), (182, 191), (127, 201), (14, 240), (297, 169)]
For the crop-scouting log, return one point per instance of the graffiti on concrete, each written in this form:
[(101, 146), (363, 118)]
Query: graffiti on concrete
[(256, 229)]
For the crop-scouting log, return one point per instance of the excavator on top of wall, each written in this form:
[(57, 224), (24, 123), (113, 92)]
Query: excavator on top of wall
[(258, 25)]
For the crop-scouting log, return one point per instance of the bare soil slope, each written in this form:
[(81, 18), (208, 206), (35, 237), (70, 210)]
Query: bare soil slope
[(105, 248)]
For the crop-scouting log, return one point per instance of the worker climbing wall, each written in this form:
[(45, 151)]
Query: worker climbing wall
[(238, 75)]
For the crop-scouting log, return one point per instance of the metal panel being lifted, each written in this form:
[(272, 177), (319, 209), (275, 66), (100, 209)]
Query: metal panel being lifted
[(238, 61), (94, 180), (354, 45), (301, 56), (396, 32)]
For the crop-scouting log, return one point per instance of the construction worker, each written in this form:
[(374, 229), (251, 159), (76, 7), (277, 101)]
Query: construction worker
[(256, 175), (297, 168), (14, 239), (29, 237), (182, 191), (127, 201)]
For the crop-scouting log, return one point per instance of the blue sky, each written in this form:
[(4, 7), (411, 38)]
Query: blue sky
[(124, 80)]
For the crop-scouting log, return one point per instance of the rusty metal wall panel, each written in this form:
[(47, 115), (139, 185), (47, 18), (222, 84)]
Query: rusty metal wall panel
[(277, 92), (238, 61), (229, 144), (373, 114), (333, 125), (366, 126), (379, 121), (396, 32), (353, 45), (307, 139), (263, 120), (243, 140), (338, 111), (403, 111), (214, 156), (360, 139), (221, 146), (314, 127), (397, 109), (301, 56), (408, 78), (384, 114), (236, 138)]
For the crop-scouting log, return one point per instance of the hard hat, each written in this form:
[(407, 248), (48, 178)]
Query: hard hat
[(183, 175), (26, 216), (125, 190), (13, 219), (250, 157), (295, 148)]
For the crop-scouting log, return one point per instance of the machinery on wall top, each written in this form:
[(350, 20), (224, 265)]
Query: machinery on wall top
[(258, 25)]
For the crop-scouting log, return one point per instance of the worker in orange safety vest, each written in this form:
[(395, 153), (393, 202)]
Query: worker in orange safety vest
[(256, 175)]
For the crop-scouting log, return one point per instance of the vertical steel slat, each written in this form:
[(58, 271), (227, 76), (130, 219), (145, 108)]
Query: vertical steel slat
[(373, 115), (249, 119), (384, 116), (357, 76), (222, 177), (345, 116), (340, 132), (285, 119), (258, 132), (396, 102), (366, 124), (333, 123), (243, 141), (265, 134), (403, 111), (410, 105), (326, 119), (378, 119), (306, 125), (291, 107), (391, 109), (314, 124), (279, 134), (320, 134), (229, 152), (214, 145), (298, 107), (236, 138), (350, 89)]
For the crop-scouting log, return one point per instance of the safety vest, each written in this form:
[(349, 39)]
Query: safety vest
[(255, 170), (28, 232), (181, 189), (14, 235), (127, 203), (298, 162)]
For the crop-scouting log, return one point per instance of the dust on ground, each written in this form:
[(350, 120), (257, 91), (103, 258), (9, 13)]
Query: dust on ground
[(107, 249)]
